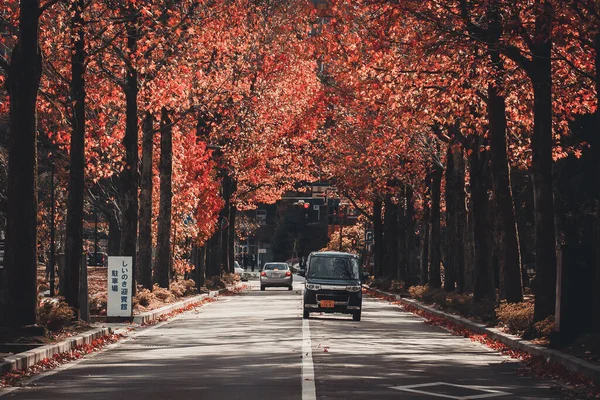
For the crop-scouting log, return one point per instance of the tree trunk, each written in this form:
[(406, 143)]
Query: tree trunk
[(541, 167), (74, 244), (435, 280), (412, 272), (224, 219), (402, 237), (483, 272), (452, 248), (379, 245), (19, 294), (231, 230), (213, 265), (145, 244), (460, 218), (163, 254), (469, 243), (200, 277), (130, 182), (509, 260), (596, 306), (424, 278), (390, 226)]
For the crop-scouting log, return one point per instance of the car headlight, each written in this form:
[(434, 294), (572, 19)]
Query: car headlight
[(312, 286), (353, 288)]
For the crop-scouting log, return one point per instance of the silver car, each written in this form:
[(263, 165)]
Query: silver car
[(276, 274)]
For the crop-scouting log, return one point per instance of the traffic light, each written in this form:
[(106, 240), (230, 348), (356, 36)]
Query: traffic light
[(306, 206)]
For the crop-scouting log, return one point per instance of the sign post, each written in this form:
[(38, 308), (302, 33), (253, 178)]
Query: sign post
[(120, 270)]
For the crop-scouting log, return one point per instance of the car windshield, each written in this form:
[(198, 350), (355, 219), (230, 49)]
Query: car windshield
[(333, 268), (271, 267)]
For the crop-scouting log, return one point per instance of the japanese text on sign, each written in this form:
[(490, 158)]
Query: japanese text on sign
[(119, 286)]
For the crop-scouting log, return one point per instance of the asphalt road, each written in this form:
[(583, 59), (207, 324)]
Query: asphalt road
[(256, 346)]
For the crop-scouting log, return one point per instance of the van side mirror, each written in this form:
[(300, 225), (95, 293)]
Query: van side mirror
[(302, 272)]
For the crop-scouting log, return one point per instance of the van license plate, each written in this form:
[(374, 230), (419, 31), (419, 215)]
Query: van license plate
[(327, 303)]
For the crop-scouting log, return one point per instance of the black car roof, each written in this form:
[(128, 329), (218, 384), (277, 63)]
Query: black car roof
[(332, 254)]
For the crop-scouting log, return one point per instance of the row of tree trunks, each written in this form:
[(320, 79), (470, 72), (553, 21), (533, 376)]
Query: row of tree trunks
[(144, 261), (18, 299), (163, 253), (395, 237)]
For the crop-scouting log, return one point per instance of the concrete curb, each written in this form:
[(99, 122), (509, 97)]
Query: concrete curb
[(572, 363), (29, 358)]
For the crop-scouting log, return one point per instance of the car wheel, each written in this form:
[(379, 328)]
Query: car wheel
[(290, 287), (262, 287), (356, 316), (306, 314)]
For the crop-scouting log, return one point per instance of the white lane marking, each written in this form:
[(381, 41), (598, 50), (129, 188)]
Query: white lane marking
[(488, 393), (309, 391)]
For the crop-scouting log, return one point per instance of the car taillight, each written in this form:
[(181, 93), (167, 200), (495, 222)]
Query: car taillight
[(263, 273), (288, 273)]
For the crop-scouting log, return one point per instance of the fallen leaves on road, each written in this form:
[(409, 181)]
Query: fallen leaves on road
[(14, 378), (536, 365)]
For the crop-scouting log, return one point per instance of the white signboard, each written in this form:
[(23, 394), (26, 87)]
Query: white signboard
[(119, 286), (262, 251)]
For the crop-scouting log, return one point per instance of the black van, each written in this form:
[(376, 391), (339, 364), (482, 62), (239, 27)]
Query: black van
[(333, 284)]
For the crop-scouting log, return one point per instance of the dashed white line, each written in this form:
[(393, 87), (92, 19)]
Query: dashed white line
[(308, 371)]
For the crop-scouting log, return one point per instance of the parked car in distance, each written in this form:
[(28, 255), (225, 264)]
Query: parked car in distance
[(276, 274), (99, 259), (333, 284)]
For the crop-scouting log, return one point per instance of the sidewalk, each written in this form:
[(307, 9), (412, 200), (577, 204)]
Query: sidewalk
[(573, 364)]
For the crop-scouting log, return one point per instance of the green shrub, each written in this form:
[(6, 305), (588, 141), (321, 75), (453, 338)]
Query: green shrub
[(516, 317), (54, 314)]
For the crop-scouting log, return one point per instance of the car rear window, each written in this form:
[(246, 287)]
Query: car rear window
[(333, 268), (271, 267)]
